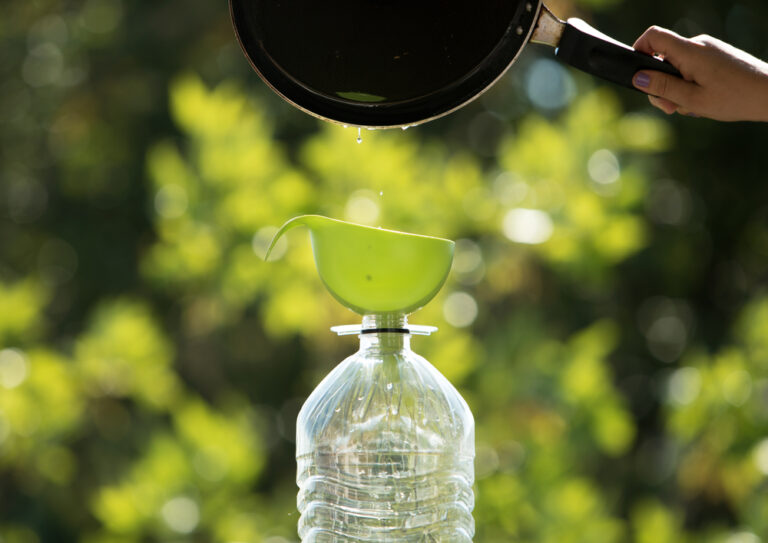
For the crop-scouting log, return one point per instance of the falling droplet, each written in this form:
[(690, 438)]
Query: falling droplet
[(359, 135), (389, 386), (381, 193)]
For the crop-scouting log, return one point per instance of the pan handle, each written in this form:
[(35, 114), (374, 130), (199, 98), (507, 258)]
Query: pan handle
[(590, 50)]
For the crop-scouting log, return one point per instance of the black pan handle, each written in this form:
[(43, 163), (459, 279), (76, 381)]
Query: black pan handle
[(590, 50)]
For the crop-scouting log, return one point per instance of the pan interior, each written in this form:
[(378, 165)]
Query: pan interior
[(372, 51)]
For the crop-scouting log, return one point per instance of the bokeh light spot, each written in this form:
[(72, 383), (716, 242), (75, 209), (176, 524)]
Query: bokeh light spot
[(603, 167), (362, 208), (737, 387), (509, 189), (13, 368), (667, 325), (669, 203), (684, 386), (262, 239), (529, 226), (209, 467), (511, 456), (171, 201), (26, 199), (460, 309), (468, 262), (486, 461), (548, 85), (656, 460), (181, 514), (51, 28), (43, 66), (743, 537), (761, 456), (101, 16), (667, 338)]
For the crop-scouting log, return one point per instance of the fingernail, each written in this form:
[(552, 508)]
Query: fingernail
[(642, 80)]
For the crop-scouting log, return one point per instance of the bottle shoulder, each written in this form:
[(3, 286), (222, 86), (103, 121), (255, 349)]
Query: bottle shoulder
[(379, 400)]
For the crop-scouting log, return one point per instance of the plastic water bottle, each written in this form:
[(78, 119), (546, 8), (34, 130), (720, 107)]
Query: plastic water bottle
[(385, 447)]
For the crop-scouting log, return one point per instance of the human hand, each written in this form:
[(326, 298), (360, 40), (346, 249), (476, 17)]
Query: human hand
[(720, 81)]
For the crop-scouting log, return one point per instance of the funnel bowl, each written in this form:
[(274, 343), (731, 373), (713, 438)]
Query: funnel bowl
[(373, 270)]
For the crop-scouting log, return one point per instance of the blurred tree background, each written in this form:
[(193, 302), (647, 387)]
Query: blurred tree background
[(606, 317)]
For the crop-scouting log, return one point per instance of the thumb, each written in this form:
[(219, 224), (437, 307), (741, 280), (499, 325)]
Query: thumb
[(669, 87)]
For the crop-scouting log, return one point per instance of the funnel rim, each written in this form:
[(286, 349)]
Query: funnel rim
[(376, 228)]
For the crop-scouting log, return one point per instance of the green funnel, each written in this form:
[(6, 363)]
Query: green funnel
[(372, 270)]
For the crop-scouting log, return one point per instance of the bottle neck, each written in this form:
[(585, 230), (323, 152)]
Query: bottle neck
[(385, 333)]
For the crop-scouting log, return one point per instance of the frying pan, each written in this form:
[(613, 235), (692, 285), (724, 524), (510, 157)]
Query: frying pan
[(390, 63)]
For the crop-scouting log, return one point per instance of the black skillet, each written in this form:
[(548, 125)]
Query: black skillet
[(388, 63)]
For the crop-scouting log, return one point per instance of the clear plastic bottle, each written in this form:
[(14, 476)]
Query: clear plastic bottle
[(385, 447)]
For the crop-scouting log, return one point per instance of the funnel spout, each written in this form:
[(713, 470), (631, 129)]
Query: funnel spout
[(302, 220)]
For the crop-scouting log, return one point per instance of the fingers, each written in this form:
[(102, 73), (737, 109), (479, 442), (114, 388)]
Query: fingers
[(664, 105), (668, 93), (668, 87), (665, 43)]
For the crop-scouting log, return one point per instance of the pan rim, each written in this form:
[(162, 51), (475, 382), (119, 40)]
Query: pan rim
[(405, 113)]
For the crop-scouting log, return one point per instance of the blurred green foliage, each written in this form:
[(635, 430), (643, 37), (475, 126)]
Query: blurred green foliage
[(605, 318)]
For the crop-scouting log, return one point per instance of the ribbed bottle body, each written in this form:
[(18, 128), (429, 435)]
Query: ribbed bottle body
[(385, 452)]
